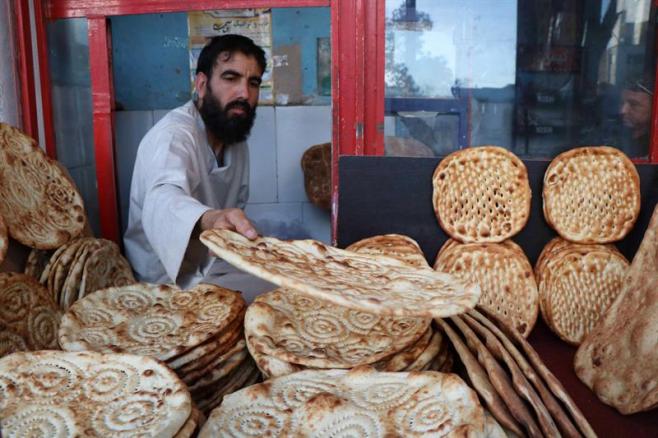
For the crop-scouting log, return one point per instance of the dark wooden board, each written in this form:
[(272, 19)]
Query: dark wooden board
[(380, 195)]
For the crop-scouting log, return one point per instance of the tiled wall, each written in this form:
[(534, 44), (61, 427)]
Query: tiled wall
[(277, 201)]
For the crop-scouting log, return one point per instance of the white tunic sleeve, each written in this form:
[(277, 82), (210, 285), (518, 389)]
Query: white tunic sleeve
[(173, 175)]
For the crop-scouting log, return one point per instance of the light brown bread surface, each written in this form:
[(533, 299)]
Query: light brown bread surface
[(481, 194), (360, 402), (64, 394), (505, 277), (376, 284), (40, 205), (618, 360), (314, 333), (392, 245), (591, 194)]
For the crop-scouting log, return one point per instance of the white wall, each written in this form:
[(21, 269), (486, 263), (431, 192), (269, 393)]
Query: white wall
[(277, 201), (9, 97)]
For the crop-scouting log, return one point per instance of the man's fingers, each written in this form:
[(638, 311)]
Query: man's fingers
[(242, 225)]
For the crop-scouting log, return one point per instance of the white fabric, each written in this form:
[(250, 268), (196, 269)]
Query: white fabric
[(175, 180)]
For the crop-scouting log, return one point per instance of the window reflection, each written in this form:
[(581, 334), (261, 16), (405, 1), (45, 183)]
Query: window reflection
[(537, 77)]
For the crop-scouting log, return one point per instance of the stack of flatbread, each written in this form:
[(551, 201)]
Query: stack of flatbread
[(62, 394), (511, 380), (481, 199), (287, 331), (197, 333), (361, 402), (78, 268), (591, 197), (39, 203), (29, 318), (618, 360)]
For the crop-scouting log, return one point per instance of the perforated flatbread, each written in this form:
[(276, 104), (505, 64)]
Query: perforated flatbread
[(156, 320), (591, 194), (505, 277), (319, 403), (315, 333), (481, 194), (41, 207), (376, 284), (27, 312), (63, 394), (578, 285), (36, 262), (618, 360), (392, 245)]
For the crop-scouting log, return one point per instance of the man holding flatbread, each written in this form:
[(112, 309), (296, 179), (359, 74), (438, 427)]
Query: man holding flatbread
[(192, 173)]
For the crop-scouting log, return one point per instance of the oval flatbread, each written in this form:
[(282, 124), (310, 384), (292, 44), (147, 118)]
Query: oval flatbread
[(156, 320), (307, 331), (63, 394), (505, 276), (481, 194), (40, 205), (392, 245), (361, 402), (591, 194), (376, 284)]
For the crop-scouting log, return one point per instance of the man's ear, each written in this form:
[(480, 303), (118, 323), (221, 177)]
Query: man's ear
[(200, 84)]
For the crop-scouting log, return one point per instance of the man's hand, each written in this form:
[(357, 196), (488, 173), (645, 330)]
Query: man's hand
[(232, 219)]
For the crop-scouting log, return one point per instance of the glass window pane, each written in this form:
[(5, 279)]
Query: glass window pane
[(537, 77)]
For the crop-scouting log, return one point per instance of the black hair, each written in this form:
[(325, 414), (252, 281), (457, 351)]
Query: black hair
[(643, 83), (229, 43)]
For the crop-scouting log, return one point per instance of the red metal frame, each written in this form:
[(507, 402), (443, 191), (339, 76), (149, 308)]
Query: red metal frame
[(26, 69), (44, 73), (102, 96)]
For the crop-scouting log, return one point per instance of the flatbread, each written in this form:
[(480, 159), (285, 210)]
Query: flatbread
[(481, 194), (315, 333), (27, 312), (503, 349), (505, 277), (41, 207), (578, 285), (156, 320), (481, 382), (359, 402), (504, 332), (316, 167), (591, 194), (56, 393), (392, 245), (376, 284), (36, 262), (618, 360)]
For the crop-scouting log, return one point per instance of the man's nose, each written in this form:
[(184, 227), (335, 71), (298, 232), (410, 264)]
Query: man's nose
[(242, 91), (624, 108)]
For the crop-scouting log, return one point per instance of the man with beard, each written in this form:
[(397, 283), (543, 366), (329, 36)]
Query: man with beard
[(635, 110), (192, 172)]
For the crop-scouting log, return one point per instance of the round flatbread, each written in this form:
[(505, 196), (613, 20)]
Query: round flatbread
[(360, 402), (481, 194), (578, 285), (505, 276), (591, 194), (155, 320), (29, 317), (376, 284), (392, 245), (40, 205), (63, 394), (315, 333)]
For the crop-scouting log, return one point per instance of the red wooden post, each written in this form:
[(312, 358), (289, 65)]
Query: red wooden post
[(44, 73), (26, 69)]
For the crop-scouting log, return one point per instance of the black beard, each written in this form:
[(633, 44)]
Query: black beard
[(227, 129)]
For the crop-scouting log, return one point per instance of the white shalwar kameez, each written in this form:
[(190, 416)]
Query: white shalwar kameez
[(176, 179)]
